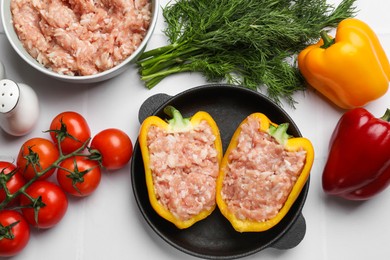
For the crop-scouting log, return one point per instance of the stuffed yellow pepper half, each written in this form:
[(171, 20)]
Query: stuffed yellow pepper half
[(181, 159), (262, 173)]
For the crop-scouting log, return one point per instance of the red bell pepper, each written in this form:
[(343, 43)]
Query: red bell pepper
[(358, 165)]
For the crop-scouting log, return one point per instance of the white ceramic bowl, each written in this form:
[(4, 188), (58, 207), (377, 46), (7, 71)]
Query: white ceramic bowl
[(6, 17)]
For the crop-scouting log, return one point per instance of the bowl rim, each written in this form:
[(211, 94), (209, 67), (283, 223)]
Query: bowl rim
[(16, 44)]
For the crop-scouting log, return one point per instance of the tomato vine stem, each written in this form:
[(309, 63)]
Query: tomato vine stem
[(33, 160)]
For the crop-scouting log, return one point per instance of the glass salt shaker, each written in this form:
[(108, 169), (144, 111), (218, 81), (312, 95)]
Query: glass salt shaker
[(19, 107)]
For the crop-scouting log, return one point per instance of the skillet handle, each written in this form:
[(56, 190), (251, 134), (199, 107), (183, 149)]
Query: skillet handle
[(294, 235), (151, 104)]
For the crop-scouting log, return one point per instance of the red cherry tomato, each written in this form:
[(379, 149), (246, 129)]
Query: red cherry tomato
[(72, 129), (79, 176), (114, 146), (14, 183), (52, 201), (15, 233), (47, 153)]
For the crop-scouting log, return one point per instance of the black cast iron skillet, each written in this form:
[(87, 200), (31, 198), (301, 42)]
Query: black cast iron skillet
[(214, 237)]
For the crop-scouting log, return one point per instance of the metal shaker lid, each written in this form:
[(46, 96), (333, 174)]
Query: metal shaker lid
[(9, 95)]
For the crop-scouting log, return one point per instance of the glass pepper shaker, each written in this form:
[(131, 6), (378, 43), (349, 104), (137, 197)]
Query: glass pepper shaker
[(19, 107)]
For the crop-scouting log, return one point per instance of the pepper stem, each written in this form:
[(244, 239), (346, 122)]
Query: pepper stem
[(279, 133), (327, 40), (177, 122), (386, 116)]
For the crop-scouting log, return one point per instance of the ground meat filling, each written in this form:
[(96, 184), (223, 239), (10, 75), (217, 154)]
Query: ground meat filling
[(184, 168), (260, 174), (79, 37)]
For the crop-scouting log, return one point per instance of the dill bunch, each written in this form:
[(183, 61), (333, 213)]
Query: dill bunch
[(252, 43)]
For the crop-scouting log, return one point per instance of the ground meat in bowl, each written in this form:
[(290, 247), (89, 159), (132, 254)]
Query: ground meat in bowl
[(80, 37)]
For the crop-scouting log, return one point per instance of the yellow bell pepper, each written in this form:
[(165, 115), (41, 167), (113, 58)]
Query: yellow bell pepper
[(290, 144), (350, 70), (175, 125)]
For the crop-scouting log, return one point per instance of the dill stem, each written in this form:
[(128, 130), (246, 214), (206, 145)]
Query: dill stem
[(166, 72), (168, 61), (160, 65), (153, 79), (153, 82), (158, 51), (164, 57)]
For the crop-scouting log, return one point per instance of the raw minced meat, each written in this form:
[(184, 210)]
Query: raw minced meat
[(260, 174), (80, 37), (184, 168)]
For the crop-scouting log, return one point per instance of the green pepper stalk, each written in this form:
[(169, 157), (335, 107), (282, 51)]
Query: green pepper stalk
[(386, 116), (279, 133), (177, 123), (327, 40)]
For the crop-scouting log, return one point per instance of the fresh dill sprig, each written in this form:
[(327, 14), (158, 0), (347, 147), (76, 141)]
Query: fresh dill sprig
[(247, 42)]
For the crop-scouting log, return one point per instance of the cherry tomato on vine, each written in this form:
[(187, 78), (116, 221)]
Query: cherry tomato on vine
[(13, 184), (72, 129), (115, 147), (50, 201), (79, 176), (15, 233), (42, 153)]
